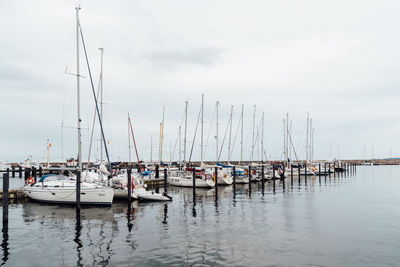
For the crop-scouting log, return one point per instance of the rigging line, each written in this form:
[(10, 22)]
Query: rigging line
[(173, 151), (209, 131), (223, 140), (91, 136), (294, 150), (95, 98), (194, 138), (134, 142), (234, 140), (255, 141), (177, 137)]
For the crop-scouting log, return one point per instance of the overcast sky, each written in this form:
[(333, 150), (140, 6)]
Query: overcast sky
[(337, 60)]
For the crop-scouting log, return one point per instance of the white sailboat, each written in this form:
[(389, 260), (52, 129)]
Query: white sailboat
[(62, 189), (181, 178)]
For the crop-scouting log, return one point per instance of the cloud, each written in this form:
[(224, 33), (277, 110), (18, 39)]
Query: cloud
[(184, 57)]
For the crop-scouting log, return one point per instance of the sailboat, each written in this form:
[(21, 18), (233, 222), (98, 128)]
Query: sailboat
[(62, 189)]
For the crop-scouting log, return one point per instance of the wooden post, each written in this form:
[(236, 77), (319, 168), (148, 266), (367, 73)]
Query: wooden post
[(273, 172), (250, 176), (291, 174), (5, 196), (249, 179), (234, 180), (13, 171), (319, 169), (157, 171), (78, 190), (129, 173), (216, 182), (34, 174), (319, 175), (20, 172), (329, 166), (165, 180), (40, 171), (298, 170), (194, 184), (283, 172), (262, 173)]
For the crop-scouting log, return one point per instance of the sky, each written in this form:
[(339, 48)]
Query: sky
[(336, 60)]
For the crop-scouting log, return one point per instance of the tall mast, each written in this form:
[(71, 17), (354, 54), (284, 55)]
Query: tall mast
[(310, 143), (230, 135), (308, 115), (287, 139), (180, 145), (129, 142), (216, 136), (184, 138), (78, 91), (284, 139), (254, 125), (262, 138), (202, 122), (162, 134), (101, 103), (241, 135)]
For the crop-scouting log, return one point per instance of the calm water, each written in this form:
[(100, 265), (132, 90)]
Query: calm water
[(351, 220)]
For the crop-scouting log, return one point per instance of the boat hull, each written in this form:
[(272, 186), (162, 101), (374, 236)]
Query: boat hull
[(89, 196), (184, 182)]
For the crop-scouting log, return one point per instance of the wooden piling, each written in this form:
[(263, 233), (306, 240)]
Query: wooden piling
[(129, 173), (165, 180), (157, 171), (40, 171), (20, 172), (329, 173), (291, 174), (5, 196), (78, 190), (194, 184), (34, 174), (234, 180), (216, 182), (13, 171)]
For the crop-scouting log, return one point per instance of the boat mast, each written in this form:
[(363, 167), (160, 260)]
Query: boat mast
[(241, 136), (151, 148), (160, 151), (287, 139), (262, 138), (101, 103), (254, 125), (230, 136), (78, 91), (308, 119), (311, 141), (180, 145), (202, 124), (129, 142), (184, 138), (216, 136)]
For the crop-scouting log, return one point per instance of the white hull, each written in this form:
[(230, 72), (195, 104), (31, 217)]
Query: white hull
[(224, 180), (187, 182), (143, 194), (67, 195)]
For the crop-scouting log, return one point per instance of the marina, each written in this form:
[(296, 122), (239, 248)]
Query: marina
[(206, 133), (261, 225)]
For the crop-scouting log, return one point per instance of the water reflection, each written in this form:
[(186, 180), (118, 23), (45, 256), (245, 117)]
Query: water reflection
[(263, 223), (77, 238), (4, 243)]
